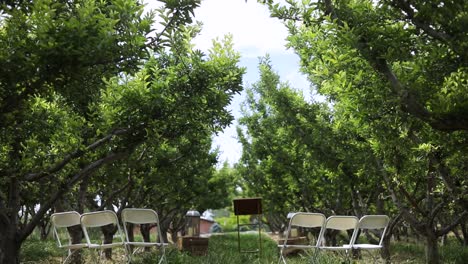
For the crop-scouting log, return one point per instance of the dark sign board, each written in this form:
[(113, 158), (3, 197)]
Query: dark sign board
[(248, 206)]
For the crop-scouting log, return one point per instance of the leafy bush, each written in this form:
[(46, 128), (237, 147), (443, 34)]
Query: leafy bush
[(35, 250), (455, 254), (229, 224)]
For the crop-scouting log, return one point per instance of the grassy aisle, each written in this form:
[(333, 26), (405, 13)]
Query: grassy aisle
[(223, 250)]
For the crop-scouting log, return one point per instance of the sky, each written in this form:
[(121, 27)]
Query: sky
[(255, 34)]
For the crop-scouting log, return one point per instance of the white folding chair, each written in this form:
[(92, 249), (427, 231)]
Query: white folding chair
[(372, 222), (63, 221), (101, 219), (306, 220), (340, 223), (139, 216)]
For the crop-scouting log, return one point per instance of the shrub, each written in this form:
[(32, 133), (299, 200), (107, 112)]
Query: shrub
[(35, 250)]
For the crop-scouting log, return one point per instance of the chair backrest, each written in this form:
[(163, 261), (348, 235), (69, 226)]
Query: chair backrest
[(307, 220), (140, 216), (375, 222), (63, 220), (99, 219), (341, 223)]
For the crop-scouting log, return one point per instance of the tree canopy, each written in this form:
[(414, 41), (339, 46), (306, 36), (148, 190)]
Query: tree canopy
[(92, 97), (394, 77)]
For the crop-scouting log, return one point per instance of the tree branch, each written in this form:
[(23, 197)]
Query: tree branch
[(408, 215), (158, 36), (409, 103), (76, 154), (112, 195), (330, 11), (450, 227), (410, 14), (85, 172), (457, 193)]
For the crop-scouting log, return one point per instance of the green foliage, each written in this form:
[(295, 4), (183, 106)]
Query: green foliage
[(395, 75), (408, 252), (298, 156), (223, 249), (229, 224), (92, 106), (35, 250), (454, 253)]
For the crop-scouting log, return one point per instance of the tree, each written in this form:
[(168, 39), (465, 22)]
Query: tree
[(397, 70), (418, 48), (74, 97), (299, 156)]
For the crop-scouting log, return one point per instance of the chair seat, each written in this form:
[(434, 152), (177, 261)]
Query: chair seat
[(74, 246), (344, 247), (110, 245), (296, 246), (367, 246), (146, 244)]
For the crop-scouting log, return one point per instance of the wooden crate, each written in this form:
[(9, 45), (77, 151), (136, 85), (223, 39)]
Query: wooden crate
[(197, 246)]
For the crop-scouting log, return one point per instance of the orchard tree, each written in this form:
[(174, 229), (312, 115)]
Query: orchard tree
[(75, 97), (299, 156), (397, 69)]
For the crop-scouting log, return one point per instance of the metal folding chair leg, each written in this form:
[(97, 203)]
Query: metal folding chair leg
[(281, 257), (70, 254)]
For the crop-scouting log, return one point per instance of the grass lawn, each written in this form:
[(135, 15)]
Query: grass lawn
[(223, 250)]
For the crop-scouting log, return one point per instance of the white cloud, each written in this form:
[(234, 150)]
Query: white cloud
[(249, 23), (254, 31), (255, 34)]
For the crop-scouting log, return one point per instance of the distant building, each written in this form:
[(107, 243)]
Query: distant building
[(205, 225)]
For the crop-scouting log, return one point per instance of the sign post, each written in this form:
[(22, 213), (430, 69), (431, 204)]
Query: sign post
[(249, 206)]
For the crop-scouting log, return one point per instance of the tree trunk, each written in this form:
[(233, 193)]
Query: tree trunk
[(9, 223), (131, 235), (44, 228), (44, 232), (173, 233), (108, 232), (385, 251), (163, 234), (432, 251), (464, 229), (9, 247), (174, 236), (76, 235), (145, 233)]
